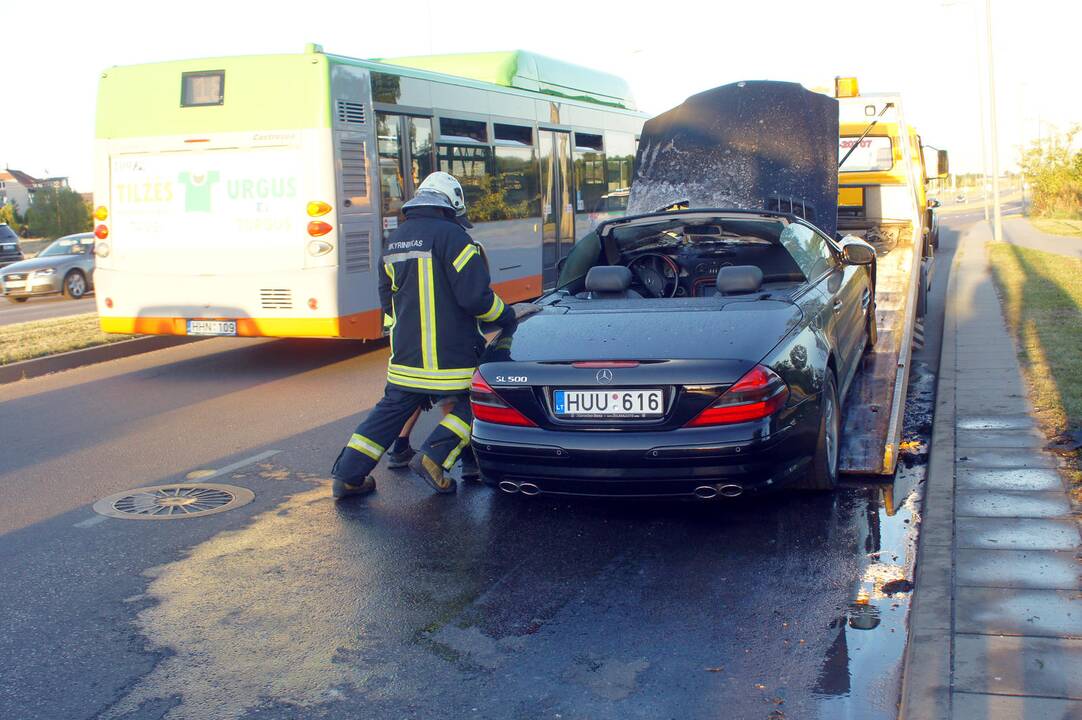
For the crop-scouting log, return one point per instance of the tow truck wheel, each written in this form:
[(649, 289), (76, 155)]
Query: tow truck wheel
[(823, 473), (922, 291)]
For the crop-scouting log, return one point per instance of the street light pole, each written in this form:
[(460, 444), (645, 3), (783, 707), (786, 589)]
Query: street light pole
[(997, 225), (980, 110)]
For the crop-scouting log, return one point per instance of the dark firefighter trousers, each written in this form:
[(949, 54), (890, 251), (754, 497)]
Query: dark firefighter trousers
[(373, 436)]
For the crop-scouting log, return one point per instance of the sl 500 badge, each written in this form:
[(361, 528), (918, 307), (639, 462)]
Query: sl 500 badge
[(513, 379)]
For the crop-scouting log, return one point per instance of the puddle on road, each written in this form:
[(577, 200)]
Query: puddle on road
[(863, 667)]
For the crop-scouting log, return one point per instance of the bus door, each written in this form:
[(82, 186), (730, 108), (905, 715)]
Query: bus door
[(405, 159), (557, 209)]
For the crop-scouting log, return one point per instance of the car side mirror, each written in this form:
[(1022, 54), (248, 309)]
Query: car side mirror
[(857, 252)]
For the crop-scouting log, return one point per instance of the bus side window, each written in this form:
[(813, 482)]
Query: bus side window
[(421, 149)]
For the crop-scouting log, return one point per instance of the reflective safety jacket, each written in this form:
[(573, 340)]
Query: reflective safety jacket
[(435, 292)]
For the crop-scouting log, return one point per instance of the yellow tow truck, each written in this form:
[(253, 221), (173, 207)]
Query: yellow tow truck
[(883, 171)]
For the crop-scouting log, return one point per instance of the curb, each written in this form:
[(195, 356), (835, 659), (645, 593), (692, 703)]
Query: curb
[(926, 667), (36, 367)]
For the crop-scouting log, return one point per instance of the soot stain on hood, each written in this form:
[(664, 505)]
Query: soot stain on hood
[(755, 145)]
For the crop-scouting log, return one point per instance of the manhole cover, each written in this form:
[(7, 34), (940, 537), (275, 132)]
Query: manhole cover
[(169, 502)]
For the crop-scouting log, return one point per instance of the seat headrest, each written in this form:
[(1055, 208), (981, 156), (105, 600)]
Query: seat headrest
[(736, 279), (608, 279)]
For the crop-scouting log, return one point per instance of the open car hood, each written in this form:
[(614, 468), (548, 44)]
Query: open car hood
[(755, 145), (741, 331)]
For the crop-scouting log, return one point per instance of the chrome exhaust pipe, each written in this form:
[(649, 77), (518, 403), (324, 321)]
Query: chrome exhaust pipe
[(706, 492), (731, 490), (529, 489), (509, 487)]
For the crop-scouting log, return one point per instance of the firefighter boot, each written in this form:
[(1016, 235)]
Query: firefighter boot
[(430, 471), (400, 458), (342, 489)]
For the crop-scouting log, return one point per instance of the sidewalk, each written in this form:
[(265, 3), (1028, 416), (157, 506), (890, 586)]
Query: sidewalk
[(1017, 230), (996, 622)]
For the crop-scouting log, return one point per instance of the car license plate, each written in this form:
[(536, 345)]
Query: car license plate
[(15, 285), (212, 327), (608, 403)]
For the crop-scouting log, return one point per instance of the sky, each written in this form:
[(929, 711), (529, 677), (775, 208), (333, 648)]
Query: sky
[(932, 51)]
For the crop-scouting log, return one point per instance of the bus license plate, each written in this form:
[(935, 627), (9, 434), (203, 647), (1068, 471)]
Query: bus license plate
[(608, 403), (212, 327)]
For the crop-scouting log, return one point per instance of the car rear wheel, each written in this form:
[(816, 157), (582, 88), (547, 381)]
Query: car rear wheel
[(17, 299), (75, 284), (823, 474)]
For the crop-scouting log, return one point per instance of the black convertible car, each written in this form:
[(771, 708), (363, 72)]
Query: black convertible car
[(693, 351)]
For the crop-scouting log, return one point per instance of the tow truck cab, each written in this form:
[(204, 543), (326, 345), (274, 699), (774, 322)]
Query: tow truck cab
[(882, 181)]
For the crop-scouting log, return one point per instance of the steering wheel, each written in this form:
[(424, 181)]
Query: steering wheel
[(657, 274)]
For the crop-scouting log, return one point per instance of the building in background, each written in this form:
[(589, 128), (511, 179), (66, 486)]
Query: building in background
[(18, 187)]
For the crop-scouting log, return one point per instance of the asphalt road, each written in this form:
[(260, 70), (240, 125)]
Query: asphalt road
[(43, 308), (408, 604)]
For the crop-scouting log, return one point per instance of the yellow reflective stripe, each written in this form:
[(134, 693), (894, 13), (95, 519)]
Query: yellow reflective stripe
[(457, 425), (389, 269), (464, 257), (425, 383), (432, 314), (445, 374), (388, 321), (450, 461), (363, 445), (426, 293), (494, 311)]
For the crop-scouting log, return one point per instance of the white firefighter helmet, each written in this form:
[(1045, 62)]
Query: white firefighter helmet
[(447, 189)]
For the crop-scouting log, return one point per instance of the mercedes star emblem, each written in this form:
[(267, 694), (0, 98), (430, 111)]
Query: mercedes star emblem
[(604, 376)]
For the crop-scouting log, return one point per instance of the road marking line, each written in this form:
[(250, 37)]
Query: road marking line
[(91, 522), (241, 463)]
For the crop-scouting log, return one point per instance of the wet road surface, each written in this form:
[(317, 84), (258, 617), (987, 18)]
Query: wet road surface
[(407, 604), (43, 308)]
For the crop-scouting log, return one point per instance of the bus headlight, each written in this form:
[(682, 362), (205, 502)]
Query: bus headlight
[(319, 247)]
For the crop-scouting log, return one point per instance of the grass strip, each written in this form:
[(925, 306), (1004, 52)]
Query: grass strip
[(1056, 226), (28, 340), (1041, 295)]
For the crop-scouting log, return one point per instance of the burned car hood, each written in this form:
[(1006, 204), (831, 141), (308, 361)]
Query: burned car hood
[(755, 145), (744, 331)]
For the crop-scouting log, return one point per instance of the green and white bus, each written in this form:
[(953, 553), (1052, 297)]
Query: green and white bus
[(249, 195)]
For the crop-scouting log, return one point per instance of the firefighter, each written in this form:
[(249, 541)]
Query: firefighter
[(434, 290)]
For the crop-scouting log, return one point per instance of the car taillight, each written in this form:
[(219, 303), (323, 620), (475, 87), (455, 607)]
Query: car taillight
[(759, 394), (489, 407)]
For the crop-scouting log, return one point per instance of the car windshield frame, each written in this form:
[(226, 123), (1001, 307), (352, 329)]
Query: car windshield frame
[(603, 245)]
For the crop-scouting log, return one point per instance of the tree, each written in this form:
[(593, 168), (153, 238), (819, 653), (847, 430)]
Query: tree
[(1053, 169), (9, 214), (56, 212)]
